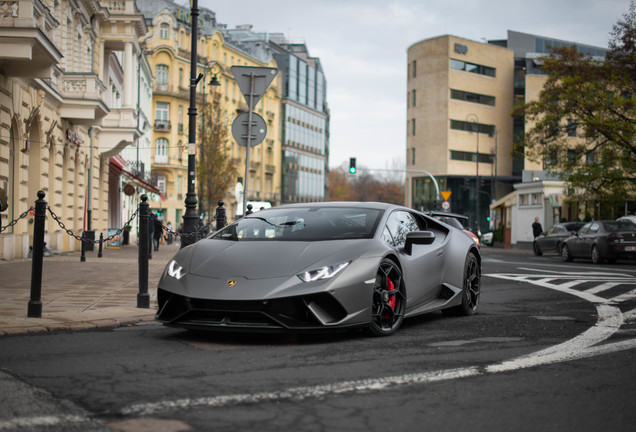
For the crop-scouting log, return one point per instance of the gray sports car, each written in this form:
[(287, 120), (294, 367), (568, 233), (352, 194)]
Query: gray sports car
[(308, 267)]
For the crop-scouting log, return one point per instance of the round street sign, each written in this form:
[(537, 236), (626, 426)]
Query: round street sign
[(258, 132), (446, 205)]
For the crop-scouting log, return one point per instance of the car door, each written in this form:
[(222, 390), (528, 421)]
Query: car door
[(576, 243), (422, 269), (589, 239)]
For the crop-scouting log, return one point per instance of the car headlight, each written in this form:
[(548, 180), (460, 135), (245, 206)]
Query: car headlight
[(175, 270), (326, 272)]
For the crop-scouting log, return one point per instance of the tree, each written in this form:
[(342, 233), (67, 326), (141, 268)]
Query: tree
[(216, 170), (364, 186), (594, 101)]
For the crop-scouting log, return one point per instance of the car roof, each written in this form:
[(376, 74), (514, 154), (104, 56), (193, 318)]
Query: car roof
[(352, 204)]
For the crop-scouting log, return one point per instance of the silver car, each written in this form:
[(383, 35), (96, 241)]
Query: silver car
[(319, 266)]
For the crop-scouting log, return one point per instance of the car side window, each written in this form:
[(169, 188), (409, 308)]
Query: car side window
[(398, 225), (594, 228), (585, 229)]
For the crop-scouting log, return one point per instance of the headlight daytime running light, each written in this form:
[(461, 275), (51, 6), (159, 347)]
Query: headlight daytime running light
[(175, 270), (326, 272)]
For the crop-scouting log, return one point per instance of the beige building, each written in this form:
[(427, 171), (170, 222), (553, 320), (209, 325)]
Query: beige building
[(168, 47), (70, 74), (459, 129)]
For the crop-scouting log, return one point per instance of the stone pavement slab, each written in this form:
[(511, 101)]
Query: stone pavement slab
[(100, 292)]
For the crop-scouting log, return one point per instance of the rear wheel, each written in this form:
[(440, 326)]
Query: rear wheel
[(565, 253), (537, 250), (389, 299), (471, 290), (596, 255)]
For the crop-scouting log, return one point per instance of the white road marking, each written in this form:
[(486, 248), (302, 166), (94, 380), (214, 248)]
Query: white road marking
[(29, 423)]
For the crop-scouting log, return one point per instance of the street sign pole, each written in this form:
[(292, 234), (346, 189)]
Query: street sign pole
[(249, 143)]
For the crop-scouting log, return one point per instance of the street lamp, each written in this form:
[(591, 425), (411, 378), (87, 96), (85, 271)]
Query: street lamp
[(474, 120), (190, 217)]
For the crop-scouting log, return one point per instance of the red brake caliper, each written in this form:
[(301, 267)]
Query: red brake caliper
[(390, 286)]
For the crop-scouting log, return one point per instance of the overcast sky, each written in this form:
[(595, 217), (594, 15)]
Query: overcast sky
[(362, 45)]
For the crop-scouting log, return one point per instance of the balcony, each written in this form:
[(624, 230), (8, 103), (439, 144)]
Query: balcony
[(26, 35), (84, 97), (171, 90), (162, 125)]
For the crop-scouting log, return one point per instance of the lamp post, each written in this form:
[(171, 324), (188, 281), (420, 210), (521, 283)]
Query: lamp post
[(475, 128), (190, 217)]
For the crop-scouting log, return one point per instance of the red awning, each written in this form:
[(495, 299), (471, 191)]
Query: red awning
[(118, 164)]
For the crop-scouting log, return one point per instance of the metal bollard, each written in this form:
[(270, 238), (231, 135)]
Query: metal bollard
[(83, 242), (143, 298), (249, 210), (34, 309), (101, 242), (221, 220)]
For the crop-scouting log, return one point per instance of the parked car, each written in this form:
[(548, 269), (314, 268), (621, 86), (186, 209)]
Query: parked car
[(600, 241), (457, 221), (551, 240), (487, 238), (320, 266), (628, 218)]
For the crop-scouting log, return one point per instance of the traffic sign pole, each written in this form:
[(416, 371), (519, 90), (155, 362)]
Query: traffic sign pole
[(249, 143)]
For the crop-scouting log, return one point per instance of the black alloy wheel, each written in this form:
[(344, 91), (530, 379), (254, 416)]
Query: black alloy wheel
[(536, 249), (565, 253), (471, 290), (389, 299)]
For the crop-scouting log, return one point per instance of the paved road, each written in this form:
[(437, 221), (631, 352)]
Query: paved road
[(551, 349)]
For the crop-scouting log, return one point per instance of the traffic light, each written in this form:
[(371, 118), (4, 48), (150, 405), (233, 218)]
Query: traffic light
[(352, 165)]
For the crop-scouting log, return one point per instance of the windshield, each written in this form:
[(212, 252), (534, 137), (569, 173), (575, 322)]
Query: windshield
[(303, 224)]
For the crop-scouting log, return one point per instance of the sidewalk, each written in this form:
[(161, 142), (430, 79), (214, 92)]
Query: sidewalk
[(100, 292)]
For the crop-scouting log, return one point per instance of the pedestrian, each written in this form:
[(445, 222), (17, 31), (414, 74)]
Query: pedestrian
[(169, 232), (151, 231), (4, 202), (537, 230), (158, 233)]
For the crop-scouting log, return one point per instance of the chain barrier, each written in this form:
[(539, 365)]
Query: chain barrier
[(13, 222), (87, 240), (200, 232)]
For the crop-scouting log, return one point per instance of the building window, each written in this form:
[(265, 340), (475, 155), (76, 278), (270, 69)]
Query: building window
[(470, 156), (413, 99), (162, 112), (162, 75), (160, 183), (473, 127), (414, 68), (413, 156), (472, 97), (572, 125), (164, 31), (472, 67), (161, 151), (413, 127), (530, 199)]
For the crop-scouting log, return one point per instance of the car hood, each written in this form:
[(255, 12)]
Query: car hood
[(270, 259)]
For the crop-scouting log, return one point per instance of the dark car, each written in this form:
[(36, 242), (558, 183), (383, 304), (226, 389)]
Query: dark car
[(550, 241), (319, 266), (600, 241)]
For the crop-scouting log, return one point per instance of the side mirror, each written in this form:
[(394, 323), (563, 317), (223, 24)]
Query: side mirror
[(418, 237)]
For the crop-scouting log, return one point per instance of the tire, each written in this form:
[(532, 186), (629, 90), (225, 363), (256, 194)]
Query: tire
[(471, 290), (565, 253), (536, 249), (389, 300), (596, 255)]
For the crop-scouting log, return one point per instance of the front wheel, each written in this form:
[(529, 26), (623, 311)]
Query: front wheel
[(471, 290), (389, 300)]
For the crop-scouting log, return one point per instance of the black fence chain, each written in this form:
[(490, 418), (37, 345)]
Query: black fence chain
[(13, 222), (87, 240), (201, 232)]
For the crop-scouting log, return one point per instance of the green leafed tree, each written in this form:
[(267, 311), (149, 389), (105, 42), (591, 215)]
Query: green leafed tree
[(216, 170), (583, 125)]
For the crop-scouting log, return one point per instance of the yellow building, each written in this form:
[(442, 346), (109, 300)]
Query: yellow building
[(69, 102), (168, 48)]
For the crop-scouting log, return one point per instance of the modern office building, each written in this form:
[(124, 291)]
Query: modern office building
[(460, 127)]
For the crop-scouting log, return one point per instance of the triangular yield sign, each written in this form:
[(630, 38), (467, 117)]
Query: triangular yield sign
[(446, 195), (262, 76)]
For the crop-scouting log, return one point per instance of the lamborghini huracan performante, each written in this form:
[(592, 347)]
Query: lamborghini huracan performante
[(319, 266)]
